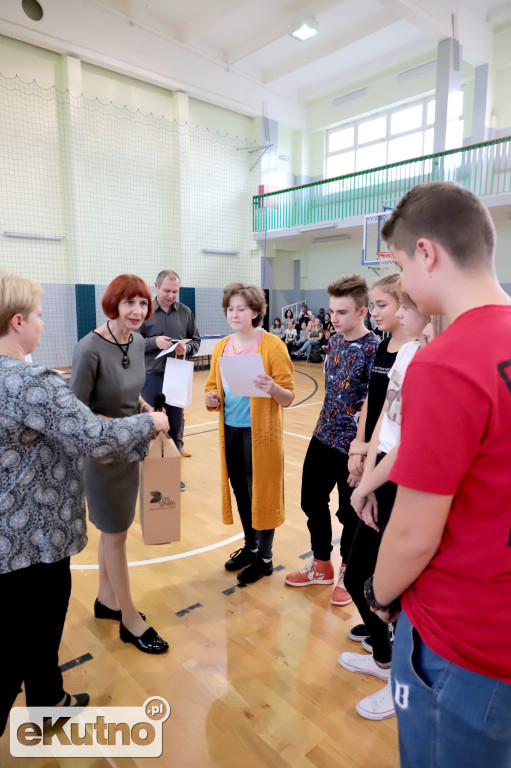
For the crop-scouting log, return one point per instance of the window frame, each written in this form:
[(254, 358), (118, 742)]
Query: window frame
[(355, 124)]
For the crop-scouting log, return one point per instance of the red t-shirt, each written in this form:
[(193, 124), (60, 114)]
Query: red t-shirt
[(456, 439)]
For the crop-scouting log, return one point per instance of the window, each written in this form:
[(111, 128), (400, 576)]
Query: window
[(399, 134)]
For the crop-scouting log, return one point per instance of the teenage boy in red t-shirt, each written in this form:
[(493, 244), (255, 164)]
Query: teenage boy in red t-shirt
[(447, 548)]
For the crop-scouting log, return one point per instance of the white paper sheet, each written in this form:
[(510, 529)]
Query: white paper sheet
[(172, 347), (239, 374)]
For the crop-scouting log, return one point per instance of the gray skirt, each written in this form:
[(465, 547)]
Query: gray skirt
[(111, 491)]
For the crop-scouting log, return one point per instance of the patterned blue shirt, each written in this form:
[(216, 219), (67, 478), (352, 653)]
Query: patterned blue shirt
[(45, 432), (348, 366)]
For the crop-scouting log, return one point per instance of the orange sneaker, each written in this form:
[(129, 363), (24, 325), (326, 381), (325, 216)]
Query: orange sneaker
[(340, 595), (316, 572)]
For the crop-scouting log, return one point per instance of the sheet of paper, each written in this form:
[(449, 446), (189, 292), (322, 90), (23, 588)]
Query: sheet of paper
[(239, 374), (172, 347)]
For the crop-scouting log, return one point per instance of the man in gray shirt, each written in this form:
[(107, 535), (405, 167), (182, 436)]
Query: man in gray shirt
[(171, 321)]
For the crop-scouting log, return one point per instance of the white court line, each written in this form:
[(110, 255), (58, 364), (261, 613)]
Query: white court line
[(168, 557), (305, 405), (304, 437), (204, 424)]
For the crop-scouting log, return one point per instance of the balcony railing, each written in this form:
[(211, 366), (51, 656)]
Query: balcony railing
[(483, 168)]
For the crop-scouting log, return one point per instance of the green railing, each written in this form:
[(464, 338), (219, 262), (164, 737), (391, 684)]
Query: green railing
[(483, 168)]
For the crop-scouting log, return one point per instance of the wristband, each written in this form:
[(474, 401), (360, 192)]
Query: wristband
[(372, 602)]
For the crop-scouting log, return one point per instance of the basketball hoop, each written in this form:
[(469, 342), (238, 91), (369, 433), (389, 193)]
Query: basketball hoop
[(385, 257), (385, 262)]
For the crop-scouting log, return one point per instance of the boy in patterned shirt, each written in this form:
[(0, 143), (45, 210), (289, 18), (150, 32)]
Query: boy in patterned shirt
[(350, 356)]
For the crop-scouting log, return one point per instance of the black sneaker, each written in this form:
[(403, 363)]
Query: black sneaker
[(255, 571), (359, 632), (239, 559)]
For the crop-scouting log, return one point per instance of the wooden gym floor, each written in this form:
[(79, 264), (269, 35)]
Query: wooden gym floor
[(252, 676)]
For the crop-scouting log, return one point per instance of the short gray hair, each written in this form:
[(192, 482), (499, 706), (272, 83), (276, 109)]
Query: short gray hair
[(160, 277)]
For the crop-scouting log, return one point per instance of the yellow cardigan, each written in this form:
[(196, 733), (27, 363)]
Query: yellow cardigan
[(267, 418)]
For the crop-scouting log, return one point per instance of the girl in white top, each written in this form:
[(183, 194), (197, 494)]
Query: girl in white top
[(387, 433), (380, 458)]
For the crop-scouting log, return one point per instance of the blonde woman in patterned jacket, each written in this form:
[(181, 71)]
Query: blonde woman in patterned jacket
[(45, 432), (251, 431)]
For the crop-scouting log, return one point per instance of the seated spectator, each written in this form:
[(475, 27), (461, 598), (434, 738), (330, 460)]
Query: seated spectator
[(314, 338), (301, 337), (288, 316), (327, 323), (305, 314), (327, 335), (321, 315), (290, 335), (277, 328)]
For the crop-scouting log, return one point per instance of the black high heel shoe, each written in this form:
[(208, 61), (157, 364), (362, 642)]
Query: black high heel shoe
[(102, 611), (82, 699), (149, 642)]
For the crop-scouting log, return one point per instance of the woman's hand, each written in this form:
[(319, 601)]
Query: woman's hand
[(369, 512), (354, 479), (161, 422), (265, 383), (212, 400), (358, 499)]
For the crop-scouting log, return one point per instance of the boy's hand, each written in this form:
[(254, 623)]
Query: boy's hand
[(356, 464), (358, 447)]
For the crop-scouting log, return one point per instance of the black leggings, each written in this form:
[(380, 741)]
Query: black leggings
[(238, 455), (361, 565), (34, 602)]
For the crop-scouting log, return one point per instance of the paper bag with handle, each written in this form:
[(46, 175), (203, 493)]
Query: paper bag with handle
[(178, 381), (159, 497)]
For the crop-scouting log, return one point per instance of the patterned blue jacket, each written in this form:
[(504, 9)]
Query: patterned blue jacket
[(45, 432)]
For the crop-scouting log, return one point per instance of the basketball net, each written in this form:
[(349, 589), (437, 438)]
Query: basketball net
[(386, 262)]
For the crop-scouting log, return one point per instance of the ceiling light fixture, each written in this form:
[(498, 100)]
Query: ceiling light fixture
[(306, 29)]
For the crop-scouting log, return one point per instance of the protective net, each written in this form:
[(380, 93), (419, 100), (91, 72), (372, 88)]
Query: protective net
[(91, 190)]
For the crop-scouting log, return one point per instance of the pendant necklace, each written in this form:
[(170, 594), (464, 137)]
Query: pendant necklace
[(125, 359)]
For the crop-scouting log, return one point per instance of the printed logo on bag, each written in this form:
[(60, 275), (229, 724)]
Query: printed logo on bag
[(164, 502), (90, 732)]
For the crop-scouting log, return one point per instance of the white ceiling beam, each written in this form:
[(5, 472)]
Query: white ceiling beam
[(129, 8), (208, 17), (274, 29), (474, 32), (322, 48)]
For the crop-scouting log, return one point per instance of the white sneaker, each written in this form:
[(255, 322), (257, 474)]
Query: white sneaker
[(378, 706), (366, 665)]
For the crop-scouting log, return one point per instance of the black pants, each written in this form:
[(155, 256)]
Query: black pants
[(153, 385), (323, 468), (361, 565), (34, 606), (238, 455)]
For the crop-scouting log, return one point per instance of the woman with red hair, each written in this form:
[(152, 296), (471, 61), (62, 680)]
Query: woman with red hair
[(108, 375)]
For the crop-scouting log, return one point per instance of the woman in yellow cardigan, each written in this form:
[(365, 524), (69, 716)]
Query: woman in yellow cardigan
[(251, 431)]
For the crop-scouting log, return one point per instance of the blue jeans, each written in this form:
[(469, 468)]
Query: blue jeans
[(447, 716)]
